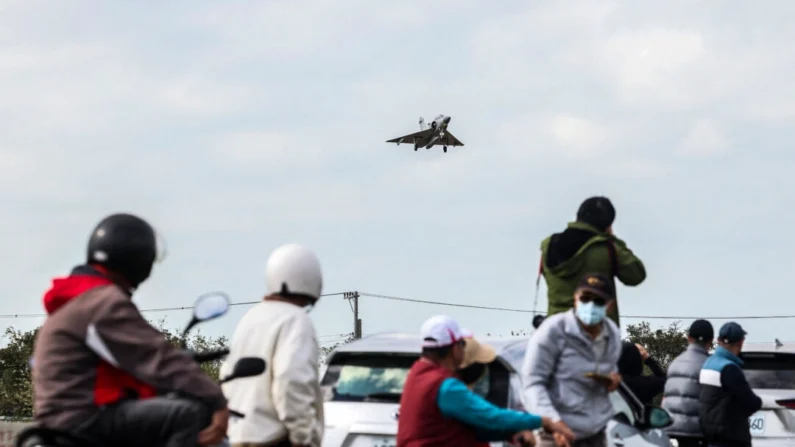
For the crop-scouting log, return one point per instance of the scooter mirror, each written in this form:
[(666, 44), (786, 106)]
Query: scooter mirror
[(210, 305), (246, 367)]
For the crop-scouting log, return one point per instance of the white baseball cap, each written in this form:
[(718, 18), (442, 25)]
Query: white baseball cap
[(441, 331)]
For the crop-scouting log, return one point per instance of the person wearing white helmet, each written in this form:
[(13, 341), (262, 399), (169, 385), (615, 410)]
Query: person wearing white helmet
[(284, 406)]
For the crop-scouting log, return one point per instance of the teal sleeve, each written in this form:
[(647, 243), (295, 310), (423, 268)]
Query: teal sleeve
[(456, 401)]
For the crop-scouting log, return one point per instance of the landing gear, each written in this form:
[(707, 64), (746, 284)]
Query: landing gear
[(444, 148), (416, 146)]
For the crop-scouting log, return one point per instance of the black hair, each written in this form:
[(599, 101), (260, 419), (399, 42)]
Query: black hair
[(597, 211), (472, 373), (631, 362), (437, 353)]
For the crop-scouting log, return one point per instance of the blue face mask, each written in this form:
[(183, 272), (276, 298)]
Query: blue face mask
[(591, 314)]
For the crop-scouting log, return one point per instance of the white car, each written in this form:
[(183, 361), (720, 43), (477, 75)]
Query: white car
[(770, 370), (363, 382)]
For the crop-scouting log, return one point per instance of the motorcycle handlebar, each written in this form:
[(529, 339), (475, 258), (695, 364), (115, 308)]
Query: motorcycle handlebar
[(205, 357)]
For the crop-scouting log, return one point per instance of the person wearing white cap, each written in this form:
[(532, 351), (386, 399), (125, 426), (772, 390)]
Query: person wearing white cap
[(437, 409), (284, 406)]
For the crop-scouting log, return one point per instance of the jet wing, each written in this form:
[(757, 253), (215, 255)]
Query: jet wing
[(450, 140), (421, 138)]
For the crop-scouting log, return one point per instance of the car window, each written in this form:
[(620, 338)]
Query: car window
[(482, 385), (379, 377), (769, 370), (621, 406), (366, 377)]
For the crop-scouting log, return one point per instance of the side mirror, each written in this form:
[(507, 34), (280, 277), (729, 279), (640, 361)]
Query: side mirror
[(207, 307), (657, 417), (246, 367)]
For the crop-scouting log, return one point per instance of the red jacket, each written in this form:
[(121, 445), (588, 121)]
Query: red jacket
[(421, 423)]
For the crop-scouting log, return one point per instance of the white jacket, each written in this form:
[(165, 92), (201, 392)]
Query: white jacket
[(286, 399)]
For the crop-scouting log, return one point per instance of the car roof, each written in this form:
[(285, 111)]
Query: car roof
[(509, 349), (785, 347)]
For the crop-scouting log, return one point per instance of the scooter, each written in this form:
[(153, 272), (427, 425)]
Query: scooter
[(207, 307)]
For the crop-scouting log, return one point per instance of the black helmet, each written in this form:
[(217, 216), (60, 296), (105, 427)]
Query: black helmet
[(126, 245)]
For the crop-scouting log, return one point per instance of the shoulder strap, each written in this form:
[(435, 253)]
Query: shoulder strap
[(611, 249), (538, 283)]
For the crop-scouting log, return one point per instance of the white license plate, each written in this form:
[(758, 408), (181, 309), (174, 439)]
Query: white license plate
[(757, 423), (384, 442)]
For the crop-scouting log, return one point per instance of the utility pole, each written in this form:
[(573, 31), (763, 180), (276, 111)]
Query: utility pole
[(357, 322)]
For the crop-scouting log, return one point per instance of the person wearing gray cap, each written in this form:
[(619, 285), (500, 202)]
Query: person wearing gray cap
[(681, 395), (726, 398)]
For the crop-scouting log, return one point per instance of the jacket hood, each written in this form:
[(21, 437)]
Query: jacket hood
[(562, 251), (79, 281)]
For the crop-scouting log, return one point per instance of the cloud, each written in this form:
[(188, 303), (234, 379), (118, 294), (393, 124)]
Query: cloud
[(236, 127), (579, 138), (649, 64), (268, 151), (705, 139)]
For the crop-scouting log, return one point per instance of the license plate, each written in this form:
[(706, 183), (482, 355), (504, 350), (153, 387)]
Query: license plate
[(385, 442), (757, 423)]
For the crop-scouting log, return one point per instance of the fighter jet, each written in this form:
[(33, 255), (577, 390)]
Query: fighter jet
[(427, 137)]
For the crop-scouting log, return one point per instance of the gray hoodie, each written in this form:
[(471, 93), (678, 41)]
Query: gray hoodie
[(559, 354)]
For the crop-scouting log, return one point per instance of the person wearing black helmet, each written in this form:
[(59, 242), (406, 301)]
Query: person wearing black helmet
[(99, 364)]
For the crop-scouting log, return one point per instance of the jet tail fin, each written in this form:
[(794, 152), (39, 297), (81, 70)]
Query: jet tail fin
[(422, 124)]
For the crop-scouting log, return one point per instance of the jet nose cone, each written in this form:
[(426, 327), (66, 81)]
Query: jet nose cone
[(446, 119)]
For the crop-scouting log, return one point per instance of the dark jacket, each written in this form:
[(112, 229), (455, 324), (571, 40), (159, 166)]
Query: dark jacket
[(630, 366), (682, 390), (96, 348), (581, 249), (726, 400)]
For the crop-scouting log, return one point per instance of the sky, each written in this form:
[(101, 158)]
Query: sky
[(235, 127)]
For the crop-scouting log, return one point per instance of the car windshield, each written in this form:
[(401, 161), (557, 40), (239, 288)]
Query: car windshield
[(770, 370), (366, 377)]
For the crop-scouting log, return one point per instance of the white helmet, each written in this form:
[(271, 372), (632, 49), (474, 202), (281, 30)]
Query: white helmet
[(295, 270)]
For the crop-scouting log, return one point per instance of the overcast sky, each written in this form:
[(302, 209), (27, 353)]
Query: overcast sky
[(238, 126)]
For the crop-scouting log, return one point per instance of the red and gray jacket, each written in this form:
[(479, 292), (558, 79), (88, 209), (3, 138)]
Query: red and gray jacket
[(95, 348)]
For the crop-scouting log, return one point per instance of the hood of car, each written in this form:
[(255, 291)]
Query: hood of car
[(359, 423)]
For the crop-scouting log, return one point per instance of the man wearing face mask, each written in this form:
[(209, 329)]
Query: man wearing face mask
[(437, 409), (284, 406), (570, 366)]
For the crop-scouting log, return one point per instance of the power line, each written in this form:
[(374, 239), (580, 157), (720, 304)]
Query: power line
[(160, 309), (469, 306), (640, 317)]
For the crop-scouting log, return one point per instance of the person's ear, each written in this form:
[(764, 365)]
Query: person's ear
[(610, 305)]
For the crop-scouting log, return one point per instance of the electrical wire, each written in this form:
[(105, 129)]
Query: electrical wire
[(469, 306), (161, 309), (640, 317)]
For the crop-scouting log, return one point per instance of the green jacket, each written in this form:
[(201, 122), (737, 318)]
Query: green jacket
[(582, 249)]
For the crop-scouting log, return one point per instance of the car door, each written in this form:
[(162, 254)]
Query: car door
[(623, 431)]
